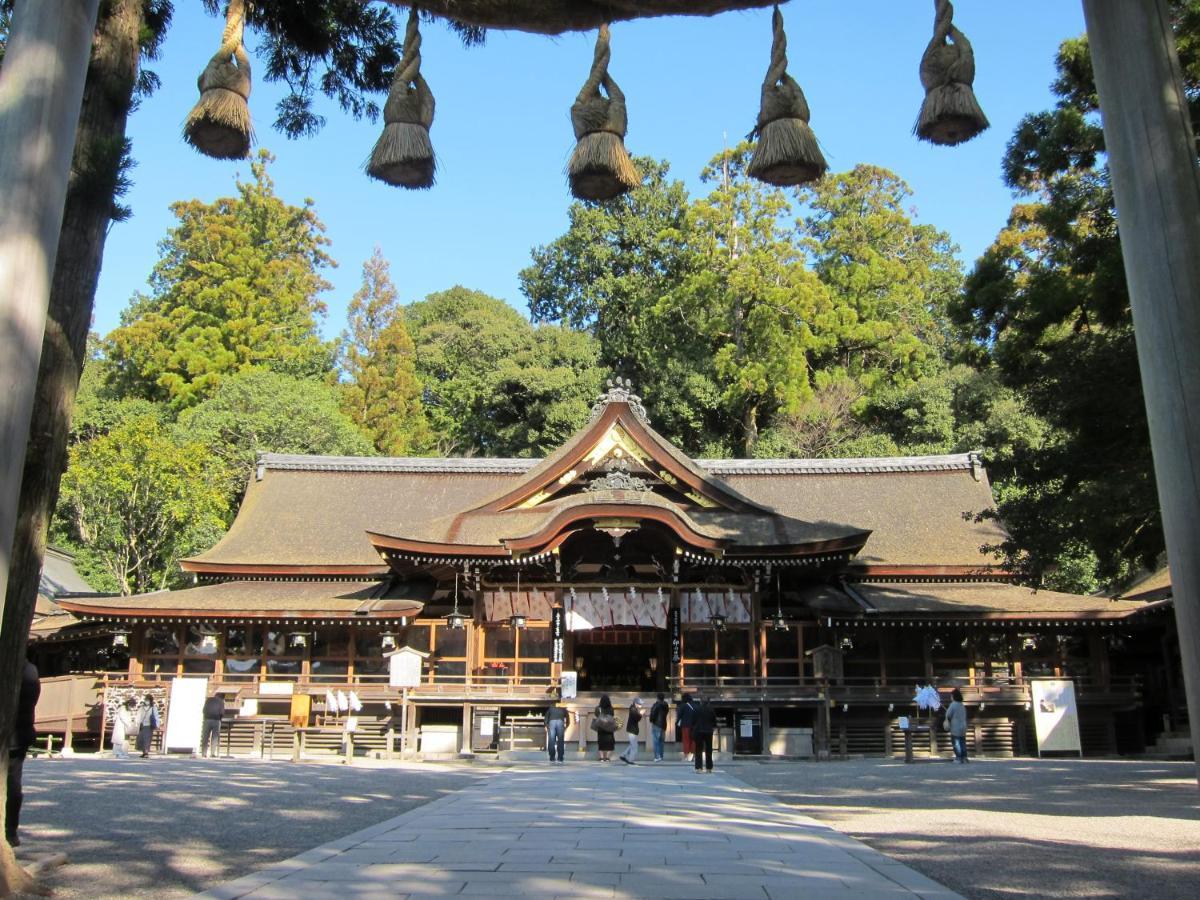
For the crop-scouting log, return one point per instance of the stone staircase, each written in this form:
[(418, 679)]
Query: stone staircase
[(1172, 745)]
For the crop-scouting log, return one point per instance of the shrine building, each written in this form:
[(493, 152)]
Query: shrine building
[(807, 598)]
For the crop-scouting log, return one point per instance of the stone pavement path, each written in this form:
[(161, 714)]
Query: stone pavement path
[(594, 830)]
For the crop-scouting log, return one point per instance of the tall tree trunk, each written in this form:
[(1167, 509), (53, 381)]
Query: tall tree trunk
[(749, 430), (99, 146)]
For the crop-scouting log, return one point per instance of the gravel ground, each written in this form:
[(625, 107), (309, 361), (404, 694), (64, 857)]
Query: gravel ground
[(1000, 828), (170, 827)]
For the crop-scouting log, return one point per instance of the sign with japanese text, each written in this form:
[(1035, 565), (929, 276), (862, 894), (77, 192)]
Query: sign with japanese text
[(558, 628)]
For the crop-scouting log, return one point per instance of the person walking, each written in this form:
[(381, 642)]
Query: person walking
[(629, 757), (956, 724), (605, 738), (123, 722), (686, 714), (23, 735), (556, 729), (210, 734), (658, 725), (147, 723), (704, 724)]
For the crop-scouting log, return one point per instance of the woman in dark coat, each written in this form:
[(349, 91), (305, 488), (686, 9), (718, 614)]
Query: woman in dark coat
[(605, 740)]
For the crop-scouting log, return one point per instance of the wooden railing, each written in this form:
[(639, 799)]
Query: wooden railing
[(844, 690)]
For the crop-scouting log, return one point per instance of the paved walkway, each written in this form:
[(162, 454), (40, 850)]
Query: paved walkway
[(590, 830)]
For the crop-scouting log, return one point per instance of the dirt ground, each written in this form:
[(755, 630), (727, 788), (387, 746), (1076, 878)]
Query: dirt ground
[(990, 829), (169, 827), (1017, 827)]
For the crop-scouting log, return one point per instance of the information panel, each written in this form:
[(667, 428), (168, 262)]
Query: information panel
[(1055, 716), (185, 713)]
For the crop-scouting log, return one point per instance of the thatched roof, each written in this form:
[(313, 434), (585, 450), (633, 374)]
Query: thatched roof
[(362, 600), (557, 16)]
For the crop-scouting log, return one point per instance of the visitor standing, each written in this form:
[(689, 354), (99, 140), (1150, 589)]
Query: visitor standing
[(629, 757), (148, 722), (606, 739), (210, 734), (124, 721), (704, 724), (956, 724), (22, 738), (686, 714), (556, 729), (658, 725)]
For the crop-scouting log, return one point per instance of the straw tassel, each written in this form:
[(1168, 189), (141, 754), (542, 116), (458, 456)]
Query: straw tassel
[(219, 123), (403, 155), (950, 113), (787, 152), (600, 167)]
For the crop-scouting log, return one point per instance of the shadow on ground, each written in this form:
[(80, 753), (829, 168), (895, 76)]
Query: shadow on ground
[(170, 827), (1004, 828)]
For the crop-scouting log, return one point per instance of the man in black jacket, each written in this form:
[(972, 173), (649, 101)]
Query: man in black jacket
[(631, 729), (658, 725), (22, 737), (704, 723), (210, 734)]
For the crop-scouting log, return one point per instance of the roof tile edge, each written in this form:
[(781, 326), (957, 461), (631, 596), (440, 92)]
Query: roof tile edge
[(509, 466)]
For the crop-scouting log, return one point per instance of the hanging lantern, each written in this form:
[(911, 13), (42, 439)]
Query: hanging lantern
[(219, 123), (950, 113), (455, 619), (600, 167), (786, 152), (403, 155)]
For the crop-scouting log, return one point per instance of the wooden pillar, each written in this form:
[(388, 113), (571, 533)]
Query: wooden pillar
[(465, 749), (1151, 156), (41, 88)]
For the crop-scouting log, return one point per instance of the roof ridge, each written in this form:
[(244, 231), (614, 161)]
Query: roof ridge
[(517, 466)]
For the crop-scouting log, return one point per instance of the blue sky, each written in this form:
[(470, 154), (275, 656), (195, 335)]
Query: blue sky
[(502, 133)]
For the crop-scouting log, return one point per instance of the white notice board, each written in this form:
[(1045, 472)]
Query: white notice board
[(569, 684), (184, 714), (1055, 716), (404, 667)]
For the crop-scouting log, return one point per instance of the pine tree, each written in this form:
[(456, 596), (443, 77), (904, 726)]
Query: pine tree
[(383, 393)]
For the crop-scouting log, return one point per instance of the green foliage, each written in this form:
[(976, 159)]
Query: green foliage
[(135, 501), (890, 279), (382, 394), (1049, 310), (749, 301), (727, 316), (237, 286), (494, 384), (262, 411)]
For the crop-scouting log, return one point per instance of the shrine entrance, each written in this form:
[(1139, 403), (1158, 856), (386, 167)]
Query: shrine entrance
[(621, 659)]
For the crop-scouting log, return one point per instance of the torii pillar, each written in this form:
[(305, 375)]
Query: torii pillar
[(1152, 159), (41, 89)]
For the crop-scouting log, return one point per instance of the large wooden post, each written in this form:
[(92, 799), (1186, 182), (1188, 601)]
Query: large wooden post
[(1148, 136), (41, 88)]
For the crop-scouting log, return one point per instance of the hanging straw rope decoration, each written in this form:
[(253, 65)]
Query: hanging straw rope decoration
[(787, 152), (219, 123), (950, 113), (403, 155), (600, 167)]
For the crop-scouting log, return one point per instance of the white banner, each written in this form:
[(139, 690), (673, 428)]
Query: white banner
[(619, 606), (1055, 716), (700, 606), (185, 713)]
